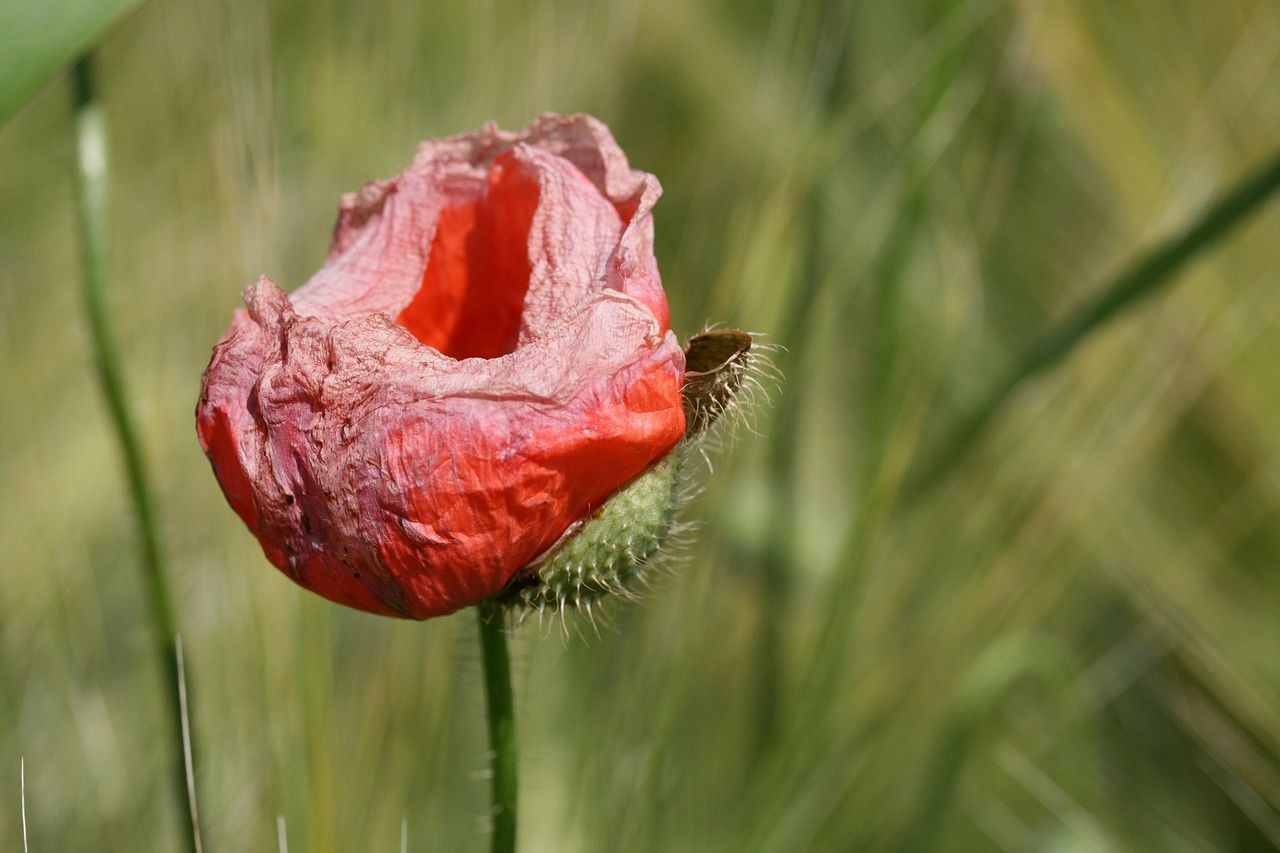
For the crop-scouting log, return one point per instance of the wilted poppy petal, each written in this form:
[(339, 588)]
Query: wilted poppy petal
[(483, 360)]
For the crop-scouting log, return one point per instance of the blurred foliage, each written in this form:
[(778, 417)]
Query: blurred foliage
[(1069, 644), (37, 40)]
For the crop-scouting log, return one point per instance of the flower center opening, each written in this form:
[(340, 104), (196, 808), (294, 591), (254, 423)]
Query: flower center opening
[(473, 289)]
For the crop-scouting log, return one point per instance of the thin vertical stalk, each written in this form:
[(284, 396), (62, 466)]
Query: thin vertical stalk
[(502, 725), (188, 762), (91, 206), (22, 788)]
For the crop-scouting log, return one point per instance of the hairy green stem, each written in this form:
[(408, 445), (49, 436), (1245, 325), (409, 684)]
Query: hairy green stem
[(91, 204), (502, 725), (1144, 277)]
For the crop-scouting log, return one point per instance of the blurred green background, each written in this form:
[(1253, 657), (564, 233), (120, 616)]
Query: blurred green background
[(1071, 643)]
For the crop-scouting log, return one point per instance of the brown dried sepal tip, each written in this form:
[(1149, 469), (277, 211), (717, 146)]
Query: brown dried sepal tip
[(715, 362)]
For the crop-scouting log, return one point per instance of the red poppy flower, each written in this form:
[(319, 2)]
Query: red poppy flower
[(483, 360)]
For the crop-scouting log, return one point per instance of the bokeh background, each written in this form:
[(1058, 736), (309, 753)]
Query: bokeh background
[(1070, 642)]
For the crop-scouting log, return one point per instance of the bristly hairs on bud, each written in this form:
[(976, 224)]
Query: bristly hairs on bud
[(617, 551), (729, 376)]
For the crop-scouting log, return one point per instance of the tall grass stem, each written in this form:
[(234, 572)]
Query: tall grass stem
[(188, 762), (91, 207), (22, 798)]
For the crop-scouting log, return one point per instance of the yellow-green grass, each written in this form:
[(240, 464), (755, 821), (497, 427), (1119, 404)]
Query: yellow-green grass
[(1069, 642)]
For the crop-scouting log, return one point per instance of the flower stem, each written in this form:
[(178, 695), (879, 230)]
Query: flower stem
[(91, 207), (502, 725)]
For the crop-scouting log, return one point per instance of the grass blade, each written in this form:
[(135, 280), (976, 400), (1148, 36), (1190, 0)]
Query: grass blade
[(22, 788), (91, 205), (1143, 278), (188, 763)]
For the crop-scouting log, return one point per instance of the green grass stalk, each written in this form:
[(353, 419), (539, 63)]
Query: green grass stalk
[(91, 206), (1144, 277)]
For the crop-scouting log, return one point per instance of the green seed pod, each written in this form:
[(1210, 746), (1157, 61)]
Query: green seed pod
[(611, 554), (606, 554)]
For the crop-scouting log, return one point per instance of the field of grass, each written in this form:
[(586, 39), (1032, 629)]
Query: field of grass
[(1067, 638)]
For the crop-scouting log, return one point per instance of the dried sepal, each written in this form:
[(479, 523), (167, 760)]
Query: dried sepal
[(715, 363)]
